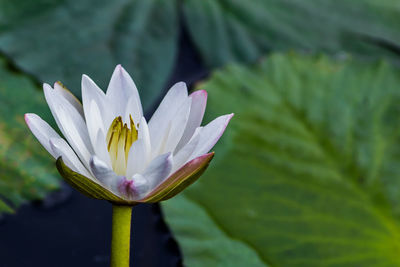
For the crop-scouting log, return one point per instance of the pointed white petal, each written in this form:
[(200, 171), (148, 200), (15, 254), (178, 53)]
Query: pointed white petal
[(134, 109), (76, 134), (91, 92), (137, 159), (71, 125), (210, 134), (178, 125), (61, 148), (159, 124), (199, 102), (64, 92), (52, 101), (120, 89), (158, 169), (42, 131)]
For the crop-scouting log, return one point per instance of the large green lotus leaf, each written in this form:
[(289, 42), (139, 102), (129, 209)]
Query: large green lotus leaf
[(203, 242), (27, 171), (233, 30), (308, 171), (61, 40)]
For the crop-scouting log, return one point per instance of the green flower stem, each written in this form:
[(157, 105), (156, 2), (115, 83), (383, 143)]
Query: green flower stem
[(121, 235)]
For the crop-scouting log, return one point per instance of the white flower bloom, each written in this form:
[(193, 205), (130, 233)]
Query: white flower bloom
[(108, 140)]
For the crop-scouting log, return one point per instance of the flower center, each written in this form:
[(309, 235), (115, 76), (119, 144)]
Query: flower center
[(119, 141)]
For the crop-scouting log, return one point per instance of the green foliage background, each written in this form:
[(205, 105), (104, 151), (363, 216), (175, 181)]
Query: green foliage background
[(307, 173)]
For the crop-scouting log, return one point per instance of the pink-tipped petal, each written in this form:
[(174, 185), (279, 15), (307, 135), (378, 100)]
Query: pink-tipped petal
[(210, 134)]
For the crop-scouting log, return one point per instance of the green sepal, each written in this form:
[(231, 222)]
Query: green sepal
[(180, 179), (173, 185), (87, 186)]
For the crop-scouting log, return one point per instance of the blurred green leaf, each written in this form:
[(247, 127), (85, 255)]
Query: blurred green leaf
[(5, 208), (242, 31), (203, 242), (27, 171), (307, 173), (60, 40)]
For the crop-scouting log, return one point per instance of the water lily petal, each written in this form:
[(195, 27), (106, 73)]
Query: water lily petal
[(61, 149), (178, 125), (87, 186), (182, 156), (137, 159), (180, 179), (91, 92), (120, 89), (158, 169), (134, 188), (94, 122), (134, 109), (197, 109), (100, 148), (64, 92), (109, 155), (104, 174), (42, 131), (144, 134), (76, 134), (210, 134), (160, 121), (71, 124)]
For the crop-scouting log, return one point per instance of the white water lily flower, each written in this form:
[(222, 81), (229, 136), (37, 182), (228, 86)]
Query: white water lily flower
[(112, 153)]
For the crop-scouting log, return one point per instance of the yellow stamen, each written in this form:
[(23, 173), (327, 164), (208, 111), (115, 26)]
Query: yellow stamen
[(119, 141)]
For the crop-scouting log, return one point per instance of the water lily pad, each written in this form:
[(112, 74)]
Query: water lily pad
[(200, 237), (61, 40), (308, 172), (242, 31), (27, 171)]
